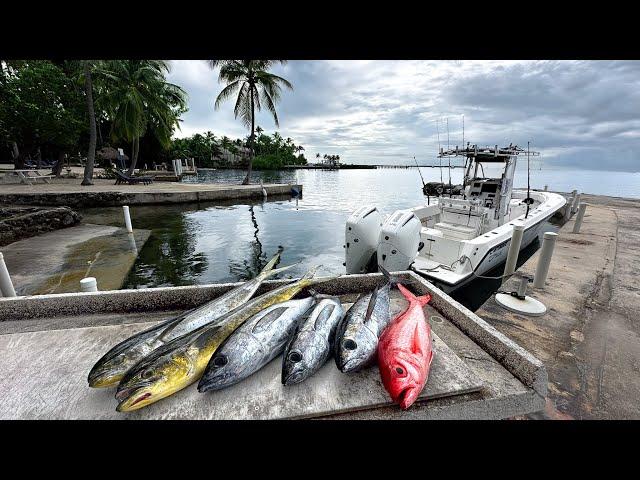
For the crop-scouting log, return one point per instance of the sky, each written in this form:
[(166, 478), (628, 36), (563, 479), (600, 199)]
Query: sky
[(575, 113)]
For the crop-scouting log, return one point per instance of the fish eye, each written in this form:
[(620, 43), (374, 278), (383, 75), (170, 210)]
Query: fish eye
[(220, 361), (147, 374), (399, 370), (349, 344), (295, 357)]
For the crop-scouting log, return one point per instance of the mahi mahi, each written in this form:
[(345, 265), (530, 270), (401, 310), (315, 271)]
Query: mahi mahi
[(109, 370), (182, 361)]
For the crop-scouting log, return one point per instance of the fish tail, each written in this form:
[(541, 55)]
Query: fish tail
[(423, 300), (273, 262), (390, 278), (276, 271), (308, 279)]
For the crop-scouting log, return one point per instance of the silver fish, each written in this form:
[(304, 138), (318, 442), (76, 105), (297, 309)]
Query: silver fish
[(312, 344), (254, 344), (110, 369), (357, 336)]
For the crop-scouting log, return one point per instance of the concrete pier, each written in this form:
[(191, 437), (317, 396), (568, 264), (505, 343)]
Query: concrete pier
[(589, 339), (105, 194)]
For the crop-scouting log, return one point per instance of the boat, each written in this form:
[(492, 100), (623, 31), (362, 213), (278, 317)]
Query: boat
[(462, 231)]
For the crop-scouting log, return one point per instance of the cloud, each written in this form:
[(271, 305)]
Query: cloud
[(577, 113)]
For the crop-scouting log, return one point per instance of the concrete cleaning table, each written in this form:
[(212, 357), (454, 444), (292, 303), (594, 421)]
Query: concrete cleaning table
[(50, 342)]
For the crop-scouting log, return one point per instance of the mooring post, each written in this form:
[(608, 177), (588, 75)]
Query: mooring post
[(546, 252), (89, 284), (581, 209), (514, 250), (127, 218), (264, 191), (567, 209), (6, 285), (576, 204), (546, 187)]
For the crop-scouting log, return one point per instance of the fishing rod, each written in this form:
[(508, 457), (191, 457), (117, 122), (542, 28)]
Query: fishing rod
[(439, 149), (424, 185), (449, 148), (529, 201)]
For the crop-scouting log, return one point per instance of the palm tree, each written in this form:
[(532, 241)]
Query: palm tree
[(255, 86), (91, 154), (139, 97)]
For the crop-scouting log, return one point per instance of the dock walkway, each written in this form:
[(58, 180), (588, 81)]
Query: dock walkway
[(104, 193), (589, 339)]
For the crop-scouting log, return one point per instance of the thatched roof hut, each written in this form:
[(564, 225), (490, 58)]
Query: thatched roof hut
[(109, 153)]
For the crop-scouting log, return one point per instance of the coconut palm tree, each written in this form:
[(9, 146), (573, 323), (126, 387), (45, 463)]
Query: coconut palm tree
[(255, 87), (91, 154), (139, 97)]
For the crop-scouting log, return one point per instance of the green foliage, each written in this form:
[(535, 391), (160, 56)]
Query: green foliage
[(40, 104), (268, 162)]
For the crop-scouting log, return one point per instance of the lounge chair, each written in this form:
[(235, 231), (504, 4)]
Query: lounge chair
[(122, 177)]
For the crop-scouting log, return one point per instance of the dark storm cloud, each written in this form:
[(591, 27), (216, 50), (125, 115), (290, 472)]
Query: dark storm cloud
[(575, 112)]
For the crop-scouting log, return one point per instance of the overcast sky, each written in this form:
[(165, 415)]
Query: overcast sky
[(575, 112)]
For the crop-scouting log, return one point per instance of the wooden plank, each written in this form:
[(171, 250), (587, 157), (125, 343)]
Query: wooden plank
[(43, 375)]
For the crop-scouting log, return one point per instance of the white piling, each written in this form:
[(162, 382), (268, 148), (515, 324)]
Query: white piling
[(264, 190), (581, 209), (514, 250), (6, 285), (567, 209), (544, 260), (546, 187), (89, 284), (576, 204), (127, 218)]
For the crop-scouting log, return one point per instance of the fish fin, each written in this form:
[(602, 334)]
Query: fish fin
[(276, 271), (371, 306), (390, 278), (423, 300), (323, 316), (267, 320), (273, 262)]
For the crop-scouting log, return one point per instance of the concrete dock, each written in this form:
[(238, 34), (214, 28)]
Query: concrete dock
[(589, 339), (104, 193), (50, 343)]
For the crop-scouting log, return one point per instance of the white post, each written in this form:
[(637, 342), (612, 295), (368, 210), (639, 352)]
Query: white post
[(88, 284), (546, 187), (581, 209), (127, 219), (6, 286), (576, 204), (264, 191), (546, 252), (514, 250), (567, 209)]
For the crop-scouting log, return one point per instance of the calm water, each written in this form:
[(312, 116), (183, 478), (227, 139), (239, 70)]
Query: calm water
[(204, 243)]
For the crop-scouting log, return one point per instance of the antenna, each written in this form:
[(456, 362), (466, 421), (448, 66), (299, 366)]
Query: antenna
[(463, 130), (439, 149), (449, 156), (528, 183)]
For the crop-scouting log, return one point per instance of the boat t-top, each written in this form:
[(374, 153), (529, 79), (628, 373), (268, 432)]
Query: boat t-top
[(462, 231)]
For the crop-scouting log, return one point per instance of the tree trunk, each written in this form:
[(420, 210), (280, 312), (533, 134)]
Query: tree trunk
[(91, 155), (247, 179), (134, 155)]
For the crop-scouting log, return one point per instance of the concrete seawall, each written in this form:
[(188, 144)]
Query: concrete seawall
[(105, 194)]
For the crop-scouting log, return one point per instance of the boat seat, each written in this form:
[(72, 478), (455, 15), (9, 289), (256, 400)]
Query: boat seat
[(456, 231)]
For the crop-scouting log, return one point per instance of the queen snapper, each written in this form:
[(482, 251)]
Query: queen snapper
[(182, 361), (109, 370)]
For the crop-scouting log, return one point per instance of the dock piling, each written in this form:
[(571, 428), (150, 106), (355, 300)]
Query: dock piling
[(567, 209), (88, 284), (581, 209), (546, 187), (127, 218), (6, 285), (546, 252), (514, 250), (576, 204)]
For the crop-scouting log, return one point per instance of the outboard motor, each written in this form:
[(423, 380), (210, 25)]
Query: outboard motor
[(399, 241), (361, 239)]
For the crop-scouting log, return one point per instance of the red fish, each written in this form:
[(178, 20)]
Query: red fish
[(405, 351)]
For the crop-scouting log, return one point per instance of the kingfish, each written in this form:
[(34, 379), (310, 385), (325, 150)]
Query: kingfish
[(183, 360), (357, 336), (405, 352), (109, 370), (254, 344), (312, 344)]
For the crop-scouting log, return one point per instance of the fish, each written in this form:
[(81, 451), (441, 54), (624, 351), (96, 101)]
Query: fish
[(312, 344), (109, 370), (358, 333), (405, 352), (182, 361), (258, 341)]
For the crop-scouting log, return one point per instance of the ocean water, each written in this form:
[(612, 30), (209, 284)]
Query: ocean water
[(205, 243)]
